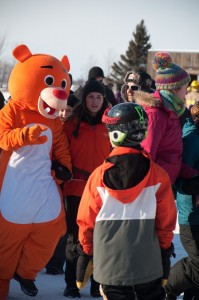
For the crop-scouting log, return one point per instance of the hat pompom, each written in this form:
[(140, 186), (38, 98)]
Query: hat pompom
[(162, 60)]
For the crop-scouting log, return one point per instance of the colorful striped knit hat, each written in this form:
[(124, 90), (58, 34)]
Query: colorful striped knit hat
[(169, 75)]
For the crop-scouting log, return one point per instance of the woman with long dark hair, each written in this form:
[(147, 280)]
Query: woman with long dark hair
[(89, 146)]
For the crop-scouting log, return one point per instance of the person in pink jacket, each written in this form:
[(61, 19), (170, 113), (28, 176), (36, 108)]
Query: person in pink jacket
[(164, 108)]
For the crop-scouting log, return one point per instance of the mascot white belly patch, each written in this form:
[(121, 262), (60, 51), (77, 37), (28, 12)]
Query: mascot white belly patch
[(29, 193)]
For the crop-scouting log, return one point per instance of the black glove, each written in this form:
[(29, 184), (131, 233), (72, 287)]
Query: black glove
[(166, 263), (191, 186), (61, 172), (71, 249), (84, 267)]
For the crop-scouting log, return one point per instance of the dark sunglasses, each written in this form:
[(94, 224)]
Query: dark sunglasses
[(132, 87)]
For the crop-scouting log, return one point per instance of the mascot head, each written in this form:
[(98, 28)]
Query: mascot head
[(40, 81)]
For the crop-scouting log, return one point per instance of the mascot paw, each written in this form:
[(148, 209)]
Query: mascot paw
[(31, 135)]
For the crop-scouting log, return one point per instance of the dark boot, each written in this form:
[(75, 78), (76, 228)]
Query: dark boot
[(191, 294), (54, 271), (94, 289), (169, 297), (27, 285), (72, 292)]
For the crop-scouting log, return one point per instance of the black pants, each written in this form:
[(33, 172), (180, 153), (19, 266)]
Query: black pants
[(184, 275), (72, 205), (58, 259), (147, 291)]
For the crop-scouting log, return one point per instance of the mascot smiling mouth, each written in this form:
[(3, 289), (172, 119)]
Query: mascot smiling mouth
[(51, 100), (49, 110)]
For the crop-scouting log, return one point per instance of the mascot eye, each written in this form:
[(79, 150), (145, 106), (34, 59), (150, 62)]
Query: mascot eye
[(117, 137), (49, 80), (64, 84)]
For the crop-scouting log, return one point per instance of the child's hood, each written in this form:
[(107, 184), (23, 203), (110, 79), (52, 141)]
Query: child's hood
[(126, 173)]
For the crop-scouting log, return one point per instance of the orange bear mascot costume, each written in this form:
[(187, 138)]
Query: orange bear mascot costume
[(32, 216)]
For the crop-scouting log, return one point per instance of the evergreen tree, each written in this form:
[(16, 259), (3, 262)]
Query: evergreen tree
[(136, 55)]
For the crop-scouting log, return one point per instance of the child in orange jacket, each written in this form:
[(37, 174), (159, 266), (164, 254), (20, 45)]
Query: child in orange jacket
[(127, 214)]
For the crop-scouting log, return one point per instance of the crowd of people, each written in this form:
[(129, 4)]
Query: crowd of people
[(133, 166)]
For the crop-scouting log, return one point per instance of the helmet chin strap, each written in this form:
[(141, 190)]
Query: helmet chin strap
[(128, 142)]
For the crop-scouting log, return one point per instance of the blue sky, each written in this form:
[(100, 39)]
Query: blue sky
[(93, 32)]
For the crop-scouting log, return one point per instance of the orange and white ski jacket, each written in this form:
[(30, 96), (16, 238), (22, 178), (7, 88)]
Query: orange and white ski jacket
[(125, 229)]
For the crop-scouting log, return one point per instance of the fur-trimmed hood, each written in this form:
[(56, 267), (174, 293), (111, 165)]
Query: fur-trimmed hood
[(149, 100)]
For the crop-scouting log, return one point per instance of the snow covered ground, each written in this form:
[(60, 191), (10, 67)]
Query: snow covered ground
[(51, 287)]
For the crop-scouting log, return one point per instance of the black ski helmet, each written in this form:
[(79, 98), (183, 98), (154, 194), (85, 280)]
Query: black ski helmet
[(126, 121)]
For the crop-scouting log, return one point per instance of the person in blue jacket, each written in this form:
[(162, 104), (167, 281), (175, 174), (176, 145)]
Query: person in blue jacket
[(184, 276)]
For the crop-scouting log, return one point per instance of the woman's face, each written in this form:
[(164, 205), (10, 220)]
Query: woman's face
[(181, 92), (94, 102), (130, 90)]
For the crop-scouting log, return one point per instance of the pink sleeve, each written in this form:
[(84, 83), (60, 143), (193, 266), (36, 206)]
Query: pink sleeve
[(156, 130)]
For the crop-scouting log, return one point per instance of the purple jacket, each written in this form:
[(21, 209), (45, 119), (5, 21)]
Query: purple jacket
[(164, 139)]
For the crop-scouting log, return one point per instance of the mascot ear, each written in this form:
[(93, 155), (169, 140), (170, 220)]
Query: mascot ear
[(65, 62), (21, 53)]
